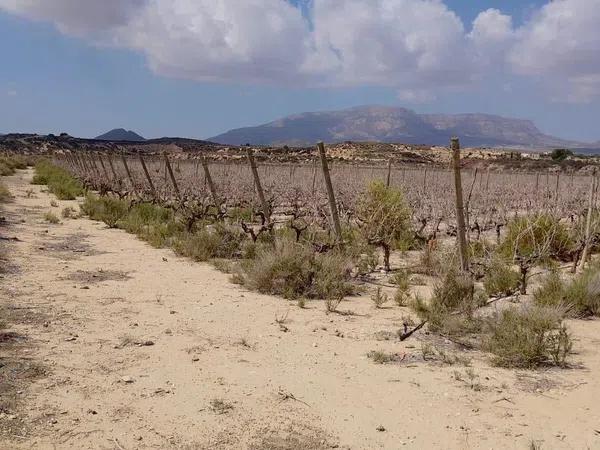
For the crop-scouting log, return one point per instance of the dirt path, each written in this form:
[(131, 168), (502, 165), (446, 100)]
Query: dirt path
[(142, 349)]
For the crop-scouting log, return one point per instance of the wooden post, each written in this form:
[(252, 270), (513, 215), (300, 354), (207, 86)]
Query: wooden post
[(103, 167), (425, 179), (112, 167), (170, 170), (332, 205), (314, 176), (389, 174), (131, 180), (209, 181), (588, 223), (93, 164), (460, 209), (143, 163), (259, 189), (557, 192)]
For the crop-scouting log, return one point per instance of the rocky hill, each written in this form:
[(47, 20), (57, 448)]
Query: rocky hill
[(399, 125), (122, 135)]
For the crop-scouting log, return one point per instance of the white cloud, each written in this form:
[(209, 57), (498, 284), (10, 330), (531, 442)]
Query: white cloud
[(220, 40), (561, 47), (11, 93), (76, 17), (418, 47), (403, 43)]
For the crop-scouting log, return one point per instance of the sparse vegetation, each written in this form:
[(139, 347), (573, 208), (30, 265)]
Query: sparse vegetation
[(579, 298), (51, 218), (528, 337), (60, 182), (500, 279), (379, 357), (533, 240), (451, 308), (293, 270), (69, 213), (5, 195), (379, 298)]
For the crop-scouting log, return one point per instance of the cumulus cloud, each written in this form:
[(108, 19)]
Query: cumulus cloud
[(404, 43), (220, 40), (418, 47), (77, 17), (560, 45)]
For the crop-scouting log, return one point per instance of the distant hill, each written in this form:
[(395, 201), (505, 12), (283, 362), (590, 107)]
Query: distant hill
[(120, 134), (391, 124)]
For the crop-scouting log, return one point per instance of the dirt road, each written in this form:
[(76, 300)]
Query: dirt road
[(135, 348)]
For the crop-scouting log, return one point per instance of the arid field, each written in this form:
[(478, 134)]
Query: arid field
[(114, 341)]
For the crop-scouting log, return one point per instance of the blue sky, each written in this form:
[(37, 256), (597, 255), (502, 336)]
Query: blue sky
[(58, 75)]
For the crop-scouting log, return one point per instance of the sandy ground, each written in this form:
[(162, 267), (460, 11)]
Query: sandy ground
[(137, 348)]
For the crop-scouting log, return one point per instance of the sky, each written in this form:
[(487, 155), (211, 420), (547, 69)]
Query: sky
[(196, 68)]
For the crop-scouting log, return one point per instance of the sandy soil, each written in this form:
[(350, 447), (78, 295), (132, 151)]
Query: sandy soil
[(136, 348)]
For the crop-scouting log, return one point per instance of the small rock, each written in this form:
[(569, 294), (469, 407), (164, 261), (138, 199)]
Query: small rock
[(380, 428), (127, 379), (168, 331), (314, 344), (85, 287)]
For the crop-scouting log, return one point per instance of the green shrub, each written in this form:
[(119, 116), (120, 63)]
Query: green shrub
[(9, 164), (105, 209), (385, 218), (528, 338), (533, 240), (51, 218), (500, 279), (379, 298), (58, 180), (536, 237), (583, 293), (451, 307), (551, 291), (579, 298), (293, 270)]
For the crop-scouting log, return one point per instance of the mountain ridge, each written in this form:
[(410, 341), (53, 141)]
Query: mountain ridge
[(395, 124)]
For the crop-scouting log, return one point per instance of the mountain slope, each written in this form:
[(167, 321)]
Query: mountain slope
[(389, 124), (120, 134)]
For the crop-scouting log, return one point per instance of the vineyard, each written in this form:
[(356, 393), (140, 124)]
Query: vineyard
[(297, 191)]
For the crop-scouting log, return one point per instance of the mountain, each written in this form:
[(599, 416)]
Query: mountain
[(120, 134), (391, 124)]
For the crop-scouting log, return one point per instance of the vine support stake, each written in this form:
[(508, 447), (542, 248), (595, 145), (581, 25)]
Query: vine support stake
[(332, 204), (460, 208), (588, 222), (131, 180), (389, 174), (103, 166), (150, 183), (209, 181), (259, 189), (172, 176)]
